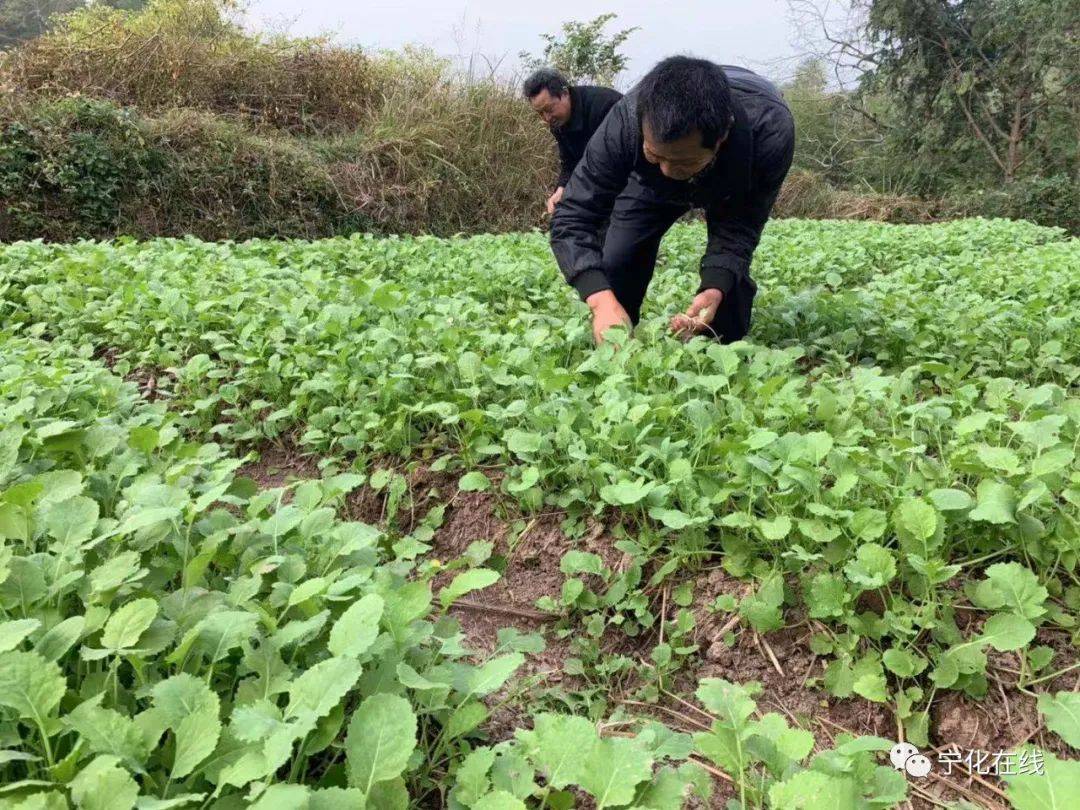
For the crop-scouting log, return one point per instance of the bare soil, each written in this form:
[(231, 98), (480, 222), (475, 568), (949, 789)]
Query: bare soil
[(147, 380)]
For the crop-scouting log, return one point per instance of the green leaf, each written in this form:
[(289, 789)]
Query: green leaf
[(873, 566), (951, 500), (902, 662), (529, 477), (474, 482), (404, 605), (998, 458), (465, 718), (558, 745), (818, 530), (13, 632), (869, 524), (1052, 461), (626, 493), (354, 633), (283, 797), (731, 703), (1018, 588), (1005, 631), (763, 608), (916, 523), (71, 522), (778, 745), (380, 740), (30, 685), (106, 731), (104, 784), (491, 675), (996, 503), (813, 790), (668, 788), (218, 633), (196, 737), (522, 443), (114, 572), (320, 688), (1056, 788), (1040, 657), (499, 800), (308, 589), (581, 562), (672, 518), (826, 595), (127, 624), (389, 795), (613, 769), (335, 798), (469, 365), (725, 747), (776, 529), (150, 803), (472, 780), (664, 743), (466, 582), (191, 710), (177, 697), (1062, 713), (55, 643), (870, 682)]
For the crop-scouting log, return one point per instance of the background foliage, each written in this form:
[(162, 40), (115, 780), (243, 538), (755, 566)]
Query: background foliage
[(583, 52), (231, 135)]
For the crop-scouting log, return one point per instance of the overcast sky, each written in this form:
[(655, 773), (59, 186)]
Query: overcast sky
[(757, 34)]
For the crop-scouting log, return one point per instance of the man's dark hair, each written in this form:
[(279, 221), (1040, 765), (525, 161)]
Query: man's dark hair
[(546, 79), (682, 94)]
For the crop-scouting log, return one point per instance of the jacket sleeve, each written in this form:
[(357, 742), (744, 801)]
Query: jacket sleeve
[(566, 165), (589, 198), (734, 230)]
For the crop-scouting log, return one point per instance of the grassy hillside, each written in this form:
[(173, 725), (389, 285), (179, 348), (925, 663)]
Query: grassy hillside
[(173, 121)]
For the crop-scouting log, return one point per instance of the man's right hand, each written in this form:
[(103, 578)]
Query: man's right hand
[(606, 312), (553, 199)]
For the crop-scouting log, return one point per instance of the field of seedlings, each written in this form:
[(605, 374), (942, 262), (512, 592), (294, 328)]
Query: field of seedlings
[(370, 522)]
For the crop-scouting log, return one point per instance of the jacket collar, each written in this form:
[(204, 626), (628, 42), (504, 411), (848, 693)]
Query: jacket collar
[(732, 167), (577, 112)]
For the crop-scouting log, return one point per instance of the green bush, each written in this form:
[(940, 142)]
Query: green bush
[(1051, 200), (70, 167), (223, 181)]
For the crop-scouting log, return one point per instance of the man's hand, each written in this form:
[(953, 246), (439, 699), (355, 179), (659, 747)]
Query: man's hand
[(606, 312), (554, 198), (698, 316)]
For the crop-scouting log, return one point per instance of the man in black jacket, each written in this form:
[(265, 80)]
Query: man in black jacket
[(572, 113), (692, 134)]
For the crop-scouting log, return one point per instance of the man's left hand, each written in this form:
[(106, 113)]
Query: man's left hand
[(698, 316)]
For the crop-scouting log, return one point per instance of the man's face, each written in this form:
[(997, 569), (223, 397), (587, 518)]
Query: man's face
[(554, 110), (680, 159)]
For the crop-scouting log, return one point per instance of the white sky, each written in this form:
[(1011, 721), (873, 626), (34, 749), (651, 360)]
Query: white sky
[(758, 34)]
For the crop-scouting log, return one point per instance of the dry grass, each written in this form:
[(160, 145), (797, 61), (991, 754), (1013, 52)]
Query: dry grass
[(188, 53), (808, 195)]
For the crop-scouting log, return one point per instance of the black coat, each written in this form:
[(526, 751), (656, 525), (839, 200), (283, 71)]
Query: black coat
[(588, 107), (737, 191)]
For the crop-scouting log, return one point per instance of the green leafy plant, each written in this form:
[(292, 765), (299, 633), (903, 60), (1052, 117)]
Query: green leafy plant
[(891, 462)]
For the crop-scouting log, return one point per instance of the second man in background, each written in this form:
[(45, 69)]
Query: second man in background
[(573, 113)]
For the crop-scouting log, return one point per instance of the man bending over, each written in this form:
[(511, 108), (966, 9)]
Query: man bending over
[(692, 134)]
